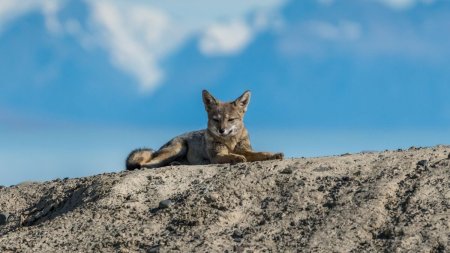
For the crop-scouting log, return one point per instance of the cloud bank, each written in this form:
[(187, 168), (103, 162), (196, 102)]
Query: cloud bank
[(138, 35)]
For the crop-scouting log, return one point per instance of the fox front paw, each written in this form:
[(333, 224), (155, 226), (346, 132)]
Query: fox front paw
[(277, 156), (238, 159), (230, 158)]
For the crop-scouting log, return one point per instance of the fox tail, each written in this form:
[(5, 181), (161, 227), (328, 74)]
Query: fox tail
[(138, 157)]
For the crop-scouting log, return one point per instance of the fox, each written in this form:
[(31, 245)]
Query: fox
[(225, 140)]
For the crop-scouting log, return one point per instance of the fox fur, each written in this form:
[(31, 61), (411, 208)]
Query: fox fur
[(225, 140)]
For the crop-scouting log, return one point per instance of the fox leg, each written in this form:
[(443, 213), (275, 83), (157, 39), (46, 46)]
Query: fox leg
[(228, 158), (167, 154), (259, 156), (244, 148), (220, 154)]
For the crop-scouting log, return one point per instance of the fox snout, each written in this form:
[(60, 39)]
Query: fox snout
[(226, 131)]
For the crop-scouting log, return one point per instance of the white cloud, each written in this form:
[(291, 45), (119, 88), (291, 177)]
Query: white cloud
[(50, 10), (228, 37), (225, 38), (135, 36), (372, 38), (139, 35), (11, 9), (404, 4)]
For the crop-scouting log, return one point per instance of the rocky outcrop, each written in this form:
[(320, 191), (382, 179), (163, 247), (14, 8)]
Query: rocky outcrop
[(367, 202)]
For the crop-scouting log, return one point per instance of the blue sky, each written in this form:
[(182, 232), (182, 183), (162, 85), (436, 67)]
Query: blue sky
[(84, 82)]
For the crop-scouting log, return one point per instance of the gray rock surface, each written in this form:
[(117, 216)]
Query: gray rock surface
[(3, 218), (366, 202), (165, 203)]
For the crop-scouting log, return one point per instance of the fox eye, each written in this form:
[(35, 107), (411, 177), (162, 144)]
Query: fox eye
[(230, 120), (215, 120)]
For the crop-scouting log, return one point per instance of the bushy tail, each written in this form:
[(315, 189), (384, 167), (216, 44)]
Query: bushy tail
[(138, 157)]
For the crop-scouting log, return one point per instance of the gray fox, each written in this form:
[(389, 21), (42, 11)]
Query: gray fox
[(225, 140)]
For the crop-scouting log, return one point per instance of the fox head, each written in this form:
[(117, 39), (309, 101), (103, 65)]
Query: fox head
[(225, 119)]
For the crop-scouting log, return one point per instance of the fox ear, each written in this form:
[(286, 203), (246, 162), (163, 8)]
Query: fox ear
[(243, 100), (209, 100)]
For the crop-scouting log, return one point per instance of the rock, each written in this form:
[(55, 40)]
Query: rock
[(237, 235), (165, 204), (323, 168), (26, 183), (4, 218), (211, 197), (154, 249), (345, 178), (328, 204), (422, 163), (286, 170)]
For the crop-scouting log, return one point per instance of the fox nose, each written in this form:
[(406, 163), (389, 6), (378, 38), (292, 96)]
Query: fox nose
[(222, 130)]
